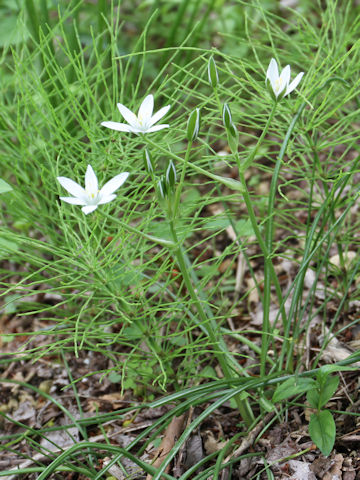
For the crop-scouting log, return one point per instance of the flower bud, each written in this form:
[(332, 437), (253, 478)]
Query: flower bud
[(161, 188), (213, 73), (170, 175), (148, 162), (193, 125), (233, 138), (227, 119)]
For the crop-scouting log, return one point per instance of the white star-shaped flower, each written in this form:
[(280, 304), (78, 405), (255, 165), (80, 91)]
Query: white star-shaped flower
[(143, 122), (91, 196), (280, 84)]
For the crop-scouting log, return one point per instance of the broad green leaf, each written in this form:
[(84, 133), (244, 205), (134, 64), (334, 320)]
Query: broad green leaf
[(292, 386), (321, 394), (313, 397), (322, 431), (328, 390), (4, 187)]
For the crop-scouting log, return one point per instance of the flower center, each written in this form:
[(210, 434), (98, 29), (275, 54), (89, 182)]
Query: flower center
[(278, 84), (93, 196), (143, 122)]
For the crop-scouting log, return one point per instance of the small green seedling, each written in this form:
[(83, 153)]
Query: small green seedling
[(319, 391)]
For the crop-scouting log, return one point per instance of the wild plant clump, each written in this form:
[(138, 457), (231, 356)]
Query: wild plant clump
[(207, 264)]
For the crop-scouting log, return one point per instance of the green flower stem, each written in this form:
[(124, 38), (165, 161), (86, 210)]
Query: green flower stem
[(288, 345), (181, 182), (270, 276), (270, 271), (217, 98), (252, 155), (211, 327)]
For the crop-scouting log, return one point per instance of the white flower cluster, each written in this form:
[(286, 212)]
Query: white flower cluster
[(91, 197)]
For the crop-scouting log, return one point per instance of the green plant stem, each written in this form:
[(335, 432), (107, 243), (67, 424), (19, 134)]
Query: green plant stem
[(288, 346), (33, 19), (270, 276), (242, 403), (252, 155), (269, 269), (182, 178), (269, 272)]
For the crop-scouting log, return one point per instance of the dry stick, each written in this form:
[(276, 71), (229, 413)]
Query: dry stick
[(250, 438)]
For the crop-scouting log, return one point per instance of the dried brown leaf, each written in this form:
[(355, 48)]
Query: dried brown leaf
[(171, 434)]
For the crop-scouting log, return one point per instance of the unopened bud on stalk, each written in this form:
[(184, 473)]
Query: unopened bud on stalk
[(193, 125), (233, 137), (227, 118), (213, 73), (170, 175), (148, 162), (231, 130), (161, 188)]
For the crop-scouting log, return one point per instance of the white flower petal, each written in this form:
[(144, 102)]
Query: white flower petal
[(120, 127), (158, 115), (72, 187), (89, 208), (285, 77), (106, 199), (129, 116), (91, 181), (294, 83), (156, 128), (272, 72), (146, 109), (73, 200), (112, 185)]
